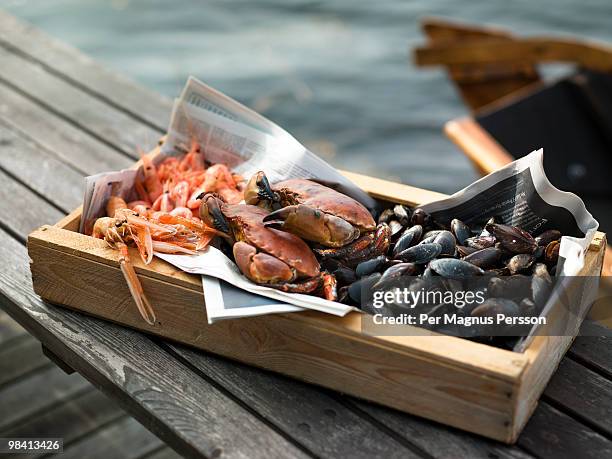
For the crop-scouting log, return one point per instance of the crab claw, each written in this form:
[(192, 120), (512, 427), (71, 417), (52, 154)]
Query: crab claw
[(258, 192), (261, 267), (211, 214), (312, 225)]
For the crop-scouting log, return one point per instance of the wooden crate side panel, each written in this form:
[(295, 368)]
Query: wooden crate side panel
[(546, 351), (403, 380), (497, 363)]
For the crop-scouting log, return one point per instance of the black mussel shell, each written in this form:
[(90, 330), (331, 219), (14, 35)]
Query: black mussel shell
[(493, 306), (480, 242), (432, 233), (460, 230), (396, 228), (402, 213), (512, 238), (515, 286), (454, 268), (409, 237), (344, 275), (362, 285), (547, 237), (369, 266), (464, 250), (385, 216), (528, 308), (343, 295), (427, 240), (484, 258), (520, 262), (421, 253), (420, 217), (447, 240), (394, 272)]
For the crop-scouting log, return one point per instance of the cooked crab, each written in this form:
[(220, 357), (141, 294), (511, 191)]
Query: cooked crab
[(265, 255), (319, 214)]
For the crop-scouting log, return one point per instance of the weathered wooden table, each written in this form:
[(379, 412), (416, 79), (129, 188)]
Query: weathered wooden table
[(63, 116)]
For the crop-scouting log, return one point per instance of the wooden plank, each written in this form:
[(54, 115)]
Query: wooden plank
[(534, 50), (550, 433), (437, 440), (82, 71), (20, 358), (9, 329), (127, 366), (484, 83), (479, 146), (594, 348), (73, 146), (39, 170), (21, 210), (36, 393), (162, 453), (555, 337), (123, 439), (81, 109), (582, 393), (307, 414), (75, 418)]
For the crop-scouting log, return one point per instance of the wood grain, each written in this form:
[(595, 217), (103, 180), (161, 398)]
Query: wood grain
[(483, 150), (39, 170), (551, 433), (479, 84), (80, 71), (55, 250), (70, 144), (27, 398), (20, 358), (125, 438), (80, 109), (534, 50), (9, 329), (177, 409), (78, 417), (584, 393), (313, 417)]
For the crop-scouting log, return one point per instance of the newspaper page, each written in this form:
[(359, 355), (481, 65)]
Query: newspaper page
[(224, 301), (212, 262), (521, 195)]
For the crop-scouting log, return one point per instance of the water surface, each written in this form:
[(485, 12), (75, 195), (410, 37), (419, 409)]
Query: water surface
[(337, 74)]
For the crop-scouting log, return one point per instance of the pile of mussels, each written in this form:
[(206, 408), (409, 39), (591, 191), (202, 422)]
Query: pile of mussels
[(512, 268)]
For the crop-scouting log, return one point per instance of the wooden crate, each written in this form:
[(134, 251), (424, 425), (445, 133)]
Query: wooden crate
[(461, 383)]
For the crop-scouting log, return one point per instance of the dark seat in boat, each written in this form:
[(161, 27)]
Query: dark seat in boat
[(572, 120)]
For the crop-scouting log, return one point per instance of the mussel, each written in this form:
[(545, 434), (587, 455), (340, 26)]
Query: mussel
[(447, 241), (454, 268), (409, 237), (520, 262), (484, 258), (392, 273), (421, 253), (512, 238), (460, 230), (372, 265), (547, 237)]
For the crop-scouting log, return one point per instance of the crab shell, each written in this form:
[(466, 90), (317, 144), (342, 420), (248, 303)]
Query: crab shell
[(247, 225), (325, 199)]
